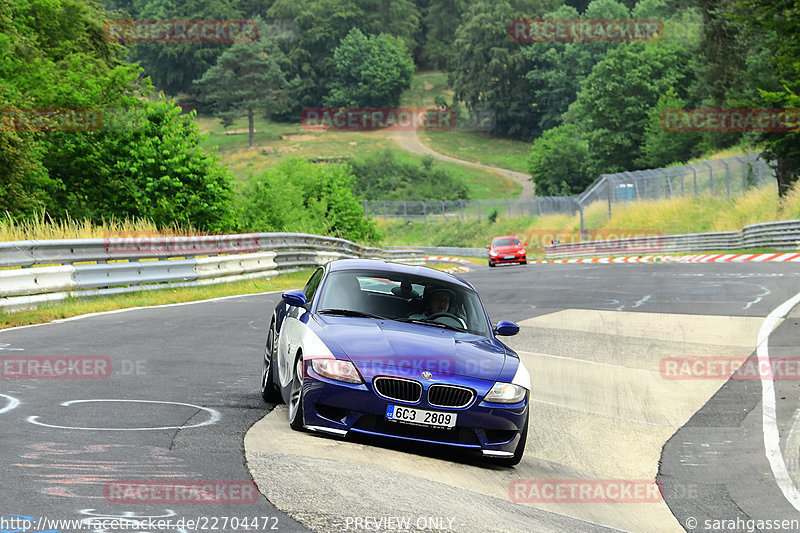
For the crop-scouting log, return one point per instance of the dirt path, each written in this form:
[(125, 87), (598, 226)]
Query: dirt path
[(408, 140)]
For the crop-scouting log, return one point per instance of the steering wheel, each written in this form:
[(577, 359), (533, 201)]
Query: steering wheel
[(434, 316)]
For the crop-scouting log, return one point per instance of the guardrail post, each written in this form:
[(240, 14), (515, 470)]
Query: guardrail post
[(608, 193), (424, 214), (694, 177), (461, 203), (405, 211), (444, 215)]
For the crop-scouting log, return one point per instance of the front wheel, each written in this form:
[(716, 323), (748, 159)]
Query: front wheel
[(269, 391), (296, 398)]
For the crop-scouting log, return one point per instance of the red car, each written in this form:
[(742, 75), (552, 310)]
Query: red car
[(507, 249)]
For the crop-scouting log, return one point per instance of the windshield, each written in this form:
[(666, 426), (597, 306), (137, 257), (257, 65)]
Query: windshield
[(404, 297), (506, 241)]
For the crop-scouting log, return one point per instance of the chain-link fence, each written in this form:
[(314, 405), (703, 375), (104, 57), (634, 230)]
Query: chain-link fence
[(725, 177)]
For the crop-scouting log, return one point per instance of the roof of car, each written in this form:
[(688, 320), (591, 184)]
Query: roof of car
[(378, 264), (505, 237)]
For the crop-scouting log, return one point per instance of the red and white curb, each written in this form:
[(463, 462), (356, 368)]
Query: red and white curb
[(706, 258), (464, 264)]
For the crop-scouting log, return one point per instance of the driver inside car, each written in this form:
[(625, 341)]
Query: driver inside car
[(439, 301)]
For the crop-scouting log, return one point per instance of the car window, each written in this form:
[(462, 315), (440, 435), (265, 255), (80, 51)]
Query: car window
[(399, 296), (313, 285), (505, 242)]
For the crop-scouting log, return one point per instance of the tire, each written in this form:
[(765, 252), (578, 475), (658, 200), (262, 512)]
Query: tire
[(296, 421), (523, 262), (269, 390), (517, 457), (491, 264)]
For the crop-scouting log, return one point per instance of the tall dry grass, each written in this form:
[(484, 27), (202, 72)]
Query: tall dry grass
[(42, 227)]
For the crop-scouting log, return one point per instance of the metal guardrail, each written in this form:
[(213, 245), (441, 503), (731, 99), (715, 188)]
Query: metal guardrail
[(783, 236), (40, 271)]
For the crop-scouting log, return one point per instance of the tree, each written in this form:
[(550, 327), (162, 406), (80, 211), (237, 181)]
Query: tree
[(246, 78), (149, 164), (320, 25), (557, 68), (370, 71), (613, 105), (778, 22), (440, 23), (489, 68), (662, 148), (558, 162), (174, 66)]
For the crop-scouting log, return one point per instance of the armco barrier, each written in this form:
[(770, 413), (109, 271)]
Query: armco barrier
[(784, 236), (134, 273), (126, 265), (36, 280)]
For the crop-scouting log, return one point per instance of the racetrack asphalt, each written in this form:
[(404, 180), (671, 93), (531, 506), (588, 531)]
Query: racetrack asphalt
[(593, 335)]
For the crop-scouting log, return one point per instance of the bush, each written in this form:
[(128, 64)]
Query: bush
[(304, 197), (381, 176)]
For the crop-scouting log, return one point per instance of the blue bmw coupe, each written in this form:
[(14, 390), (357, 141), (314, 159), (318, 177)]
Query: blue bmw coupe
[(378, 348)]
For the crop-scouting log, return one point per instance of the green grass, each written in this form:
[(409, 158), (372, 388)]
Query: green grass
[(425, 86), (276, 141), (479, 147), (80, 306)]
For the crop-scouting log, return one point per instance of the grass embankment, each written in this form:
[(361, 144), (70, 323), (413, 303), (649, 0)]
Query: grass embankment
[(277, 141), (663, 217), (80, 306)]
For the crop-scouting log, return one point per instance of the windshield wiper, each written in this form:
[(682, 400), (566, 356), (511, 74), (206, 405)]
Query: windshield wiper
[(349, 312), (429, 323)]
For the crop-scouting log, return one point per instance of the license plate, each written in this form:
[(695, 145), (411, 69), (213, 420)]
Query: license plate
[(509, 257), (420, 417)]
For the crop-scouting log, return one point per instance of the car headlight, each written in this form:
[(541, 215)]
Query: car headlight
[(506, 393), (493, 254), (523, 252), (336, 369)]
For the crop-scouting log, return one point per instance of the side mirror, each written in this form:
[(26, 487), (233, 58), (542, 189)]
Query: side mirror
[(524, 244), (294, 298), (506, 328), (488, 246)]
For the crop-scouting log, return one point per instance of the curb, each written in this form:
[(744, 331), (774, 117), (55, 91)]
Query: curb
[(705, 258)]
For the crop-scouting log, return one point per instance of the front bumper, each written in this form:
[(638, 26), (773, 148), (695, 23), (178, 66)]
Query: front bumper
[(508, 258), (342, 409)]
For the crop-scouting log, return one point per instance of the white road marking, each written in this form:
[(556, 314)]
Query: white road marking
[(772, 440), (6, 347), (13, 403), (760, 297), (214, 418), (792, 449)]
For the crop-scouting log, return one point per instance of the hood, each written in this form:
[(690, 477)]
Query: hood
[(374, 344), (507, 249)]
